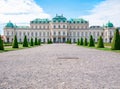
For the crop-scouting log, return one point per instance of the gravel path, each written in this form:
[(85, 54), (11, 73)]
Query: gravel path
[(59, 66)]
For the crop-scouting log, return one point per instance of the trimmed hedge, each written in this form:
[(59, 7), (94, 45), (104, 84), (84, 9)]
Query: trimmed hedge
[(25, 42), (91, 41), (100, 43), (39, 42), (1, 43), (36, 43), (85, 42), (15, 42), (116, 40), (81, 41), (31, 42)]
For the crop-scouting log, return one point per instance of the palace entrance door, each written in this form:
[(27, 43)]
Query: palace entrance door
[(64, 40), (59, 40)]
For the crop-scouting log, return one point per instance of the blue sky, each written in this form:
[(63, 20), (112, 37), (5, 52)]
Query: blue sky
[(69, 8), (97, 12)]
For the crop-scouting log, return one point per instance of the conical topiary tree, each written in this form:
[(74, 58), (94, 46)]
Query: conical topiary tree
[(51, 41), (15, 42), (116, 40), (85, 42), (67, 41), (25, 42), (48, 41), (91, 42), (31, 42), (1, 43), (81, 41), (39, 42), (78, 42), (36, 43), (70, 41), (100, 43)]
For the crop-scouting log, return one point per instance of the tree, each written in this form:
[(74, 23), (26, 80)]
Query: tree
[(91, 42), (48, 41), (78, 42), (100, 43), (39, 42), (116, 40), (31, 42), (51, 41), (15, 42), (36, 43), (85, 42), (81, 41), (25, 42), (70, 41), (1, 43)]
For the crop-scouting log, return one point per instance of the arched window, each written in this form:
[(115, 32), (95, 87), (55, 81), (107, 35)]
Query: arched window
[(93, 33), (36, 27), (98, 34), (63, 33), (28, 33), (58, 26), (12, 33), (43, 27), (54, 26), (43, 33), (8, 33), (89, 33), (47, 33), (39, 33), (40, 27), (58, 33), (24, 33), (82, 34), (36, 34), (20, 34), (20, 40), (54, 33), (77, 33), (85, 33), (63, 26), (28, 39), (31, 33)]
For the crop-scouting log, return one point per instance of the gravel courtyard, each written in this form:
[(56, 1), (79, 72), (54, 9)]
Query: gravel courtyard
[(59, 66)]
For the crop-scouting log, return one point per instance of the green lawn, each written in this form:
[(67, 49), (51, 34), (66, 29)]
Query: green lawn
[(8, 47), (107, 44), (107, 48)]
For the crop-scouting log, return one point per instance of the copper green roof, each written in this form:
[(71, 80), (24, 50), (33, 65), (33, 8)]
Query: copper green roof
[(9, 25), (78, 20), (58, 18), (38, 20), (109, 24)]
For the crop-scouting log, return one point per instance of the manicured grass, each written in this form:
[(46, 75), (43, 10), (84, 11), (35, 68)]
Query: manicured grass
[(107, 48), (107, 44), (8, 47)]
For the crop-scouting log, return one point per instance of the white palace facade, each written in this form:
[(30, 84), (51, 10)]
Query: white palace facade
[(59, 30)]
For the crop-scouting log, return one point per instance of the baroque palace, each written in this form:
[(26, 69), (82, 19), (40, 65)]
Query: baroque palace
[(59, 30)]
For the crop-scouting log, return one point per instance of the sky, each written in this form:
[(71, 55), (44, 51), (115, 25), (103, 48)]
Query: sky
[(97, 12)]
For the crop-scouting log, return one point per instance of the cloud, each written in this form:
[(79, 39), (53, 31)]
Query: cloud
[(20, 11), (105, 11)]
